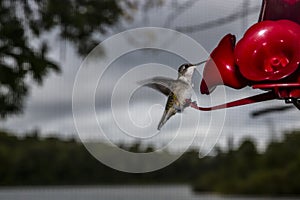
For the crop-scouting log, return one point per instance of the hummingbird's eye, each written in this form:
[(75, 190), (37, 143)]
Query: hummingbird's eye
[(183, 67), (186, 66)]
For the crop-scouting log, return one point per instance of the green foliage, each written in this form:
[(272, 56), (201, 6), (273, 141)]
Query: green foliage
[(50, 161), (23, 53), (244, 171)]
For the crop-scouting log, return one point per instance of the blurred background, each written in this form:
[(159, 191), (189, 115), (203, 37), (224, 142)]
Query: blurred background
[(42, 45)]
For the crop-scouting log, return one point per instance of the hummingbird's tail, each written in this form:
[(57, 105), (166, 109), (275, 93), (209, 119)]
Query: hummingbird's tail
[(166, 116), (162, 121)]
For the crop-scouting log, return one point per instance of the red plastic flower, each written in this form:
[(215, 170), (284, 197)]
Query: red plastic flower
[(269, 50)]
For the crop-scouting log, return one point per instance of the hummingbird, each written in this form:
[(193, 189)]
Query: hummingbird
[(179, 91)]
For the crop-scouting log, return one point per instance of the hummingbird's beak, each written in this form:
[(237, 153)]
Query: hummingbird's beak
[(200, 63)]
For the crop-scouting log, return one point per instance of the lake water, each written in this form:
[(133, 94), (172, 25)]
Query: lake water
[(111, 193)]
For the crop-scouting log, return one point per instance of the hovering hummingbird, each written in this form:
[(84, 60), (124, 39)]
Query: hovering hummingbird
[(179, 91)]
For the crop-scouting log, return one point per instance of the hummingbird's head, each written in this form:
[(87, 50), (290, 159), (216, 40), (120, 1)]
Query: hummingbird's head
[(186, 70)]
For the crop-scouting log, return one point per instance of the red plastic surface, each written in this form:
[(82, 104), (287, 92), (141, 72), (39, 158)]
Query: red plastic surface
[(221, 69), (276, 85), (267, 57), (280, 9), (281, 90), (269, 50), (248, 100)]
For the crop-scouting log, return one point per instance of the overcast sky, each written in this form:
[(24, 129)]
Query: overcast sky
[(49, 107)]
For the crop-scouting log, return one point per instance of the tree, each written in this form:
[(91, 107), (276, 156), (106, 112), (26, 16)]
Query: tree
[(22, 21)]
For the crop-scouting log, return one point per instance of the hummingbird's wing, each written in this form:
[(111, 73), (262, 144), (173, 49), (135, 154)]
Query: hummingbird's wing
[(161, 84)]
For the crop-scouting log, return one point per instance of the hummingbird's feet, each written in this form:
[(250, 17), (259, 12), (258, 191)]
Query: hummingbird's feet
[(178, 108), (189, 102)]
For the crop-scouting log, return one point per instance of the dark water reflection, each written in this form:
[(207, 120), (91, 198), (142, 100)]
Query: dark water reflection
[(112, 193)]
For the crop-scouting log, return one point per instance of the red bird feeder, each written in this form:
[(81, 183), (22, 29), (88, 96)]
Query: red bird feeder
[(267, 58), (220, 69)]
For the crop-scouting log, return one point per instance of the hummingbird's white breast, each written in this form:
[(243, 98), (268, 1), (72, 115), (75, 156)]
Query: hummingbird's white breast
[(183, 91)]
